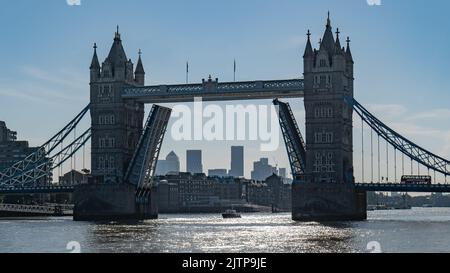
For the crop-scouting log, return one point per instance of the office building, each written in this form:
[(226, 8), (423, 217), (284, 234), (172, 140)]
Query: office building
[(194, 161), (11, 150), (170, 165), (237, 161), (262, 169)]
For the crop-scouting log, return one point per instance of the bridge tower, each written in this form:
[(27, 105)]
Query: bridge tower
[(116, 123), (116, 126), (326, 190)]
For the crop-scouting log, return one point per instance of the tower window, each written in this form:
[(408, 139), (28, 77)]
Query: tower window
[(323, 137), (323, 63), (101, 163), (111, 162), (323, 111), (106, 119), (105, 91), (107, 142)]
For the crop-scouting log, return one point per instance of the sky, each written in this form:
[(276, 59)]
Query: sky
[(400, 50)]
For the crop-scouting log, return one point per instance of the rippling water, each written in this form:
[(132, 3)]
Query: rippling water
[(416, 230)]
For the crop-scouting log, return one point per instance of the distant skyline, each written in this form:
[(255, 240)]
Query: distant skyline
[(170, 163), (400, 50)]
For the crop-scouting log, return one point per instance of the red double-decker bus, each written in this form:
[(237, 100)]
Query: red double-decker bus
[(416, 179)]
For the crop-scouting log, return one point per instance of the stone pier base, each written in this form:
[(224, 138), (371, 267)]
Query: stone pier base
[(147, 203), (327, 202), (110, 202)]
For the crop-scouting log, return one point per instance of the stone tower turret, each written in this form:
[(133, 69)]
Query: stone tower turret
[(95, 66), (116, 123), (140, 72), (328, 79), (326, 191)]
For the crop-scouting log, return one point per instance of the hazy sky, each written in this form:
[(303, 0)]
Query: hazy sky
[(400, 49)]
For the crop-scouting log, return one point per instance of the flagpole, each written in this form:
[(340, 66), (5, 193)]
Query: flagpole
[(187, 72), (234, 74)]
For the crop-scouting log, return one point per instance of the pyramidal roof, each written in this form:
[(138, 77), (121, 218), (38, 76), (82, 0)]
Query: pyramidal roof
[(328, 42), (172, 154), (348, 52), (117, 55), (308, 49), (140, 67), (95, 64), (338, 48)]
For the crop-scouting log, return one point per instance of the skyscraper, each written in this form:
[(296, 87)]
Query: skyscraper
[(11, 150), (194, 161), (237, 161), (262, 169), (6, 134), (170, 165)]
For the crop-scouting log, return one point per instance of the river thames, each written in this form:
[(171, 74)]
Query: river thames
[(416, 230)]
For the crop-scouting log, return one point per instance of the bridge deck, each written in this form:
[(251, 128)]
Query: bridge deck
[(32, 190), (215, 91), (397, 187)]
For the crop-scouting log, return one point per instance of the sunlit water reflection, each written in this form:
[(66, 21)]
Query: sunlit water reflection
[(417, 230)]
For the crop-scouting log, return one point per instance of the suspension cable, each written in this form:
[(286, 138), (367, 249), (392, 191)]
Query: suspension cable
[(403, 164), (371, 155), (362, 148), (379, 165), (412, 171), (62, 170), (84, 157), (75, 155), (395, 165), (60, 167), (387, 161)]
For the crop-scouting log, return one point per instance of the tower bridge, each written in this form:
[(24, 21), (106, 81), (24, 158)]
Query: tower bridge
[(124, 153)]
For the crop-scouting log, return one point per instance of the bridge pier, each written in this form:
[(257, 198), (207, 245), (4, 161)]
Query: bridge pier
[(325, 191), (147, 204), (324, 201), (112, 202)]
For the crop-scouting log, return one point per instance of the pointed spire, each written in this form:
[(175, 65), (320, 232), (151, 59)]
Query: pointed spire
[(338, 47), (328, 20), (308, 49), (117, 55), (95, 64), (348, 52), (139, 66), (117, 35), (328, 42)]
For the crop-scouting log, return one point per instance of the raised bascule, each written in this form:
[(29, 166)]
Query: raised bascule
[(124, 152)]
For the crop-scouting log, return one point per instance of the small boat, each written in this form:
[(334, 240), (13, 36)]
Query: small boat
[(231, 213)]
